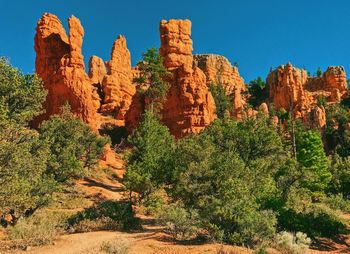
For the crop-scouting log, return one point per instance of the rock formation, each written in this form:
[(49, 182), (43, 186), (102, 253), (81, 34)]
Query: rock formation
[(218, 70), (189, 106), (291, 88), (60, 64), (117, 85)]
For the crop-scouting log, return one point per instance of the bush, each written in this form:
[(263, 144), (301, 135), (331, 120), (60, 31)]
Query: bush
[(42, 228), (21, 96), (74, 147), (223, 102), (315, 221), (337, 202), (23, 160), (115, 247), (288, 243), (120, 213), (180, 223)]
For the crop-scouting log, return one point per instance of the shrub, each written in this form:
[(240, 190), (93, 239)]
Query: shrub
[(121, 213), (23, 160), (315, 221), (21, 96), (289, 243), (115, 247), (337, 202), (42, 228), (180, 223), (223, 102), (74, 147)]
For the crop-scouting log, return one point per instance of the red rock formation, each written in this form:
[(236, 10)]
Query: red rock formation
[(290, 88), (60, 64), (219, 70), (190, 106), (117, 85), (97, 70)]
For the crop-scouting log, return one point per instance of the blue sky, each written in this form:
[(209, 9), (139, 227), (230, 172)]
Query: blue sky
[(258, 34)]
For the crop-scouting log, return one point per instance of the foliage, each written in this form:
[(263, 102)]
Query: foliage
[(337, 202), (23, 160), (223, 102), (316, 220), (74, 148), (226, 174), (313, 160), (340, 169), (319, 72), (321, 101), (152, 75), (21, 96), (42, 228), (289, 243), (258, 92), (180, 223), (147, 168), (337, 133), (109, 211), (115, 247)]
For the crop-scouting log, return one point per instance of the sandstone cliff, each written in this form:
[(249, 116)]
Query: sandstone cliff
[(290, 88), (218, 70), (189, 106)]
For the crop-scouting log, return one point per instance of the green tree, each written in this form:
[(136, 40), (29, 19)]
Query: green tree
[(257, 91), (21, 96), (223, 102), (340, 169), (313, 160), (23, 157), (148, 163), (74, 148), (23, 160), (226, 174), (319, 72), (152, 79)]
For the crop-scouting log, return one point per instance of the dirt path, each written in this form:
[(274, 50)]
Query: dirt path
[(145, 243)]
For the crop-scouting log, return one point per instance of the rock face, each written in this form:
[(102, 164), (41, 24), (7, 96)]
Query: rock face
[(290, 88), (60, 64), (218, 70), (189, 106), (117, 85)]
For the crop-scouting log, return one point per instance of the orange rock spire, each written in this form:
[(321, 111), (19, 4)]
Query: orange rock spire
[(189, 106)]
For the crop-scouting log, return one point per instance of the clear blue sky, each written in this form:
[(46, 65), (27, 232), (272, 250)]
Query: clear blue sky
[(257, 34)]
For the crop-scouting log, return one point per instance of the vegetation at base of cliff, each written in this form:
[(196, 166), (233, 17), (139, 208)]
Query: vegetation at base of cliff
[(223, 102), (34, 164)]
